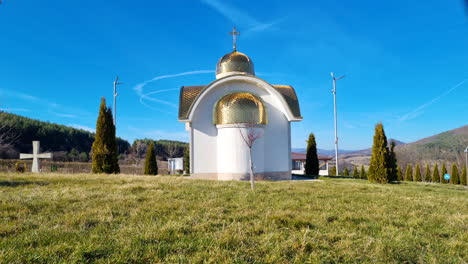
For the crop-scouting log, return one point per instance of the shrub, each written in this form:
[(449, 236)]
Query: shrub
[(312, 162), (355, 172), (345, 172), (378, 169), (392, 163), (427, 174), (409, 173), (362, 173), (463, 179), (435, 174), (454, 179), (187, 160), (104, 147), (444, 171), (399, 174), (20, 167), (151, 166), (417, 174)]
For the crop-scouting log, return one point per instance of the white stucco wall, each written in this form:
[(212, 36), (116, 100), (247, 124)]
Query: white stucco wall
[(234, 152), (213, 148)]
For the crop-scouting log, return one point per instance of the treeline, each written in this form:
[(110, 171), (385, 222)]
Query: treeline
[(66, 142), (71, 144), (163, 149), (434, 174)]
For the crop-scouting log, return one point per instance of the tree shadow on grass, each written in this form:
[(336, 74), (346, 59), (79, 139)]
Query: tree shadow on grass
[(395, 182), (21, 183), (341, 177)]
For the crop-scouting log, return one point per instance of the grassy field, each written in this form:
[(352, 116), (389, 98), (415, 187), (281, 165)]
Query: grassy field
[(86, 218)]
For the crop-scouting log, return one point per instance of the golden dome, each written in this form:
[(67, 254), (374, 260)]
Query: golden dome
[(240, 107), (234, 63)]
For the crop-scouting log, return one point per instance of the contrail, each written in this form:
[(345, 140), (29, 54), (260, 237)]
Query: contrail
[(416, 112), (240, 17), (139, 88)]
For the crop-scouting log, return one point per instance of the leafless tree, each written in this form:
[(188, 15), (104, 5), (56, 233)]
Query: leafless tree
[(171, 149), (140, 151), (250, 136), (7, 136)]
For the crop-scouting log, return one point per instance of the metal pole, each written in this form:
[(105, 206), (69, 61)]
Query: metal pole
[(115, 95), (336, 120), (336, 127), (115, 100), (466, 161), (466, 156)]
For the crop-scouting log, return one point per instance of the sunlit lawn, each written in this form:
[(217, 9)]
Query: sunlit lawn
[(56, 218)]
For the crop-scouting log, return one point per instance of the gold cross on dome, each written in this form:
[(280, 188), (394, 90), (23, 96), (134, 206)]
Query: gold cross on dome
[(234, 35)]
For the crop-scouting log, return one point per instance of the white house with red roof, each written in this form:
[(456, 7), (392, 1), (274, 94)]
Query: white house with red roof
[(299, 159)]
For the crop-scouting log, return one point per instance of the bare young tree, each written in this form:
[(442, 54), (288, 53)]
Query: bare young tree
[(7, 139), (7, 136), (140, 151), (251, 135), (171, 149)]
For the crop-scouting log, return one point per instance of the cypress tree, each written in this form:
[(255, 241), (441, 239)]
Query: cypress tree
[(427, 174), (417, 174), (454, 179), (444, 171), (187, 160), (151, 165), (392, 162), (312, 162), (362, 174), (435, 174), (345, 172), (104, 148), (399, 174), (463, 179), (378, 169), (332, 171), (355, 172), (409, 173)]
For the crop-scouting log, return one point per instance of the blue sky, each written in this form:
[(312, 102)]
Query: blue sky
[(405, 61)]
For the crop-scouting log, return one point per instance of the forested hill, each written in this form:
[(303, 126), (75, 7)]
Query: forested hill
[(447, 146), (53, 137)]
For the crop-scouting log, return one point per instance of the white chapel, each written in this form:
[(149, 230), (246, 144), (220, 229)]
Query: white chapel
[(216, 115)]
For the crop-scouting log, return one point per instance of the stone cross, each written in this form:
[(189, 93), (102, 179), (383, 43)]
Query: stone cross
[(36, 156)]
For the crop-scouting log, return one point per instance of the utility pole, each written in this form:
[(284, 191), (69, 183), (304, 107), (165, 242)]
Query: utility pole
[(466, 161), (336, 121), (116, 82)]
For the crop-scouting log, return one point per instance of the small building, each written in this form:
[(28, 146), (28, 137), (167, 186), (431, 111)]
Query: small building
[(220, 116), (298, 163), (175, 165)]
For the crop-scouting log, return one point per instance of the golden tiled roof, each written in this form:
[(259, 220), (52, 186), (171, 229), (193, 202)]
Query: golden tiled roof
[(188, 94), (289, 95), (235, 62), (239, 107)]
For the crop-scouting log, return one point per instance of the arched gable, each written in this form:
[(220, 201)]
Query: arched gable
[(284, 95)]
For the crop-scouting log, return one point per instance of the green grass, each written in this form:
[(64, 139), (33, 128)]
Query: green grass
[(86, 218)]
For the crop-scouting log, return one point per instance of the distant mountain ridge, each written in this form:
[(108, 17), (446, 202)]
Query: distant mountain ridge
[(344, 152), (446, 146), (325, 152)]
